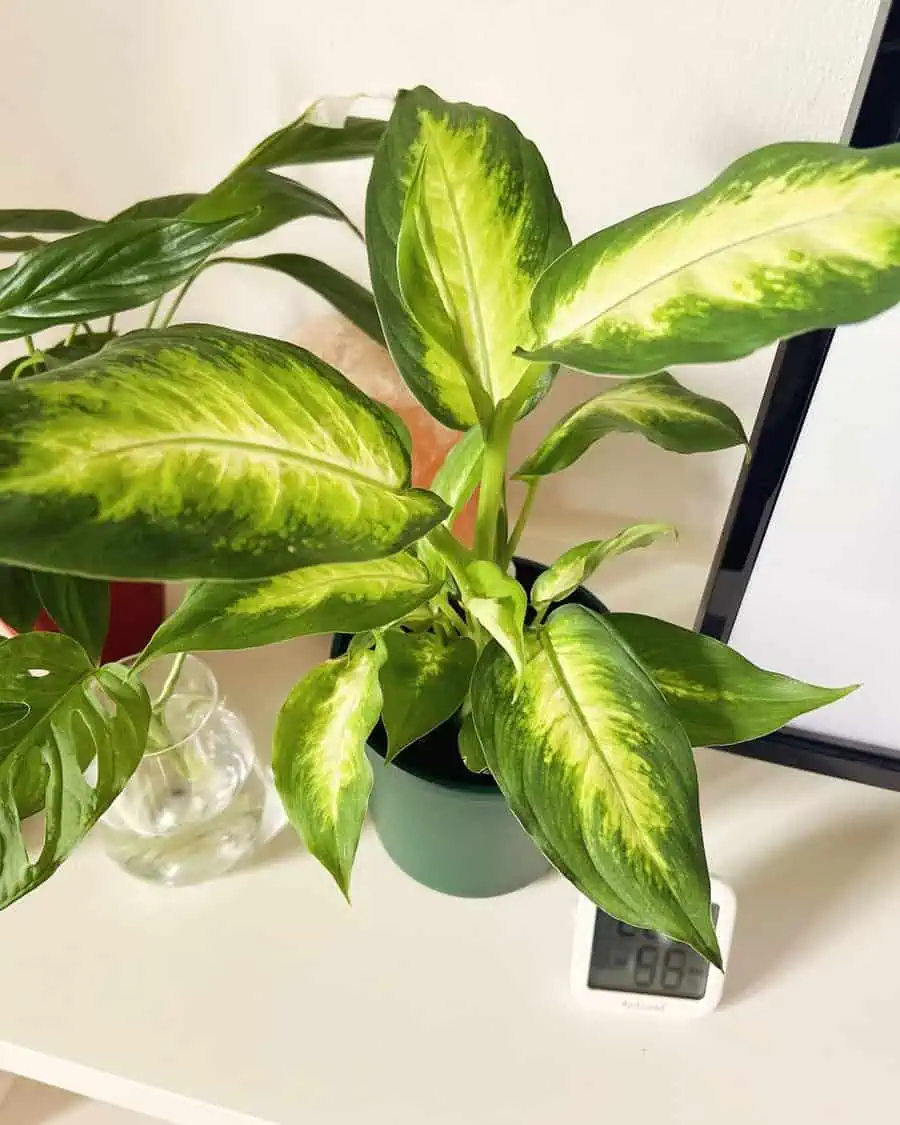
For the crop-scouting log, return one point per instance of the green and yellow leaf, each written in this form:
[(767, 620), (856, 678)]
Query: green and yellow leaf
[(498, 603), (600, 773), (483, 224), (789, 238), (575, 566), (319, 760), (470, 746), (424, 681), (198, 452), (657, 407), (329, 598), (58, 713), (720, 698)]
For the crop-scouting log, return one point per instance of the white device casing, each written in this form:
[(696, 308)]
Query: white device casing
[(641, 1003)]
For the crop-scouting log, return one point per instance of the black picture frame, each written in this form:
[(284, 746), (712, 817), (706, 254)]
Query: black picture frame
[(789, 393)]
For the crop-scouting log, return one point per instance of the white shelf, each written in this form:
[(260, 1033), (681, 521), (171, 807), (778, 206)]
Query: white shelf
[(262, 999), (30, 1103)]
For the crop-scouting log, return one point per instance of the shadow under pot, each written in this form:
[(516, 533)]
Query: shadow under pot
[(445, 826)]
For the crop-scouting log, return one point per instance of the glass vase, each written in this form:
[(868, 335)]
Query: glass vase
[(194, 806)]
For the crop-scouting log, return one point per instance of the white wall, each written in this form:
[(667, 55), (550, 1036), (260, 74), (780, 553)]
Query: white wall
[(632, 103)]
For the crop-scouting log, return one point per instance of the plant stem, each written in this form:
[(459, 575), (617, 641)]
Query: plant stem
[(111, 324), (31, 360), (182, 293), (153, 311), (71, 335), (524, 514), (492, 495), (171, 680)]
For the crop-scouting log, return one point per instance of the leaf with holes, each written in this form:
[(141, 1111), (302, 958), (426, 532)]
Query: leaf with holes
[(498, 603), (482, 225), (424, 681), (77, 606), (198, 452), (600, 773), (720, 698), (658, 408), (331, 598), (265, 200), (319, 760), (57, 713), (350, 298), (576, 565), (789, 238), (103, 270)]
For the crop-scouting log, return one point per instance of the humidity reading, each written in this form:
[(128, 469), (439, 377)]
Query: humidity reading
[(625, 959)]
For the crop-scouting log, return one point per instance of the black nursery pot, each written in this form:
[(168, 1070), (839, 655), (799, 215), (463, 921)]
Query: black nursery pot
[(445, 826)]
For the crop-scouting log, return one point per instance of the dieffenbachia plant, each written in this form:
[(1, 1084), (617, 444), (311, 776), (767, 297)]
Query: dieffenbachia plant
[(261, 474), (88, 271)]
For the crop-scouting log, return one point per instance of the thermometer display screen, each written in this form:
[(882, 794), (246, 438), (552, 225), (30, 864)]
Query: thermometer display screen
[(625, 959)]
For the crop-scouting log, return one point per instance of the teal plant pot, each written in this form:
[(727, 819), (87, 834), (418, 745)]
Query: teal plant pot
[(446, 827), (455, 838)]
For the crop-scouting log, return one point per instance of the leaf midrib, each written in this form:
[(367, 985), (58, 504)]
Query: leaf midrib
[(562, 680), (214, 442), (465, 255), (774, 232)]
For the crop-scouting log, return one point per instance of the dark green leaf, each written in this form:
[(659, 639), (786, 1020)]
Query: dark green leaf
[(103, 270), (658, 408), (306, 142), (470, 749), (25, 221), (332, 598), (600, 773), (349, 297), (69, 714), (16, 245), (161, 207), (77, 606), (197, 452), (267, 201), (424, 681), (19, 602), (319, 759), (719, 697)]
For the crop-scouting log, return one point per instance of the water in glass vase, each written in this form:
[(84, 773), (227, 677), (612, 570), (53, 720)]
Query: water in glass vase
[(194, 805)]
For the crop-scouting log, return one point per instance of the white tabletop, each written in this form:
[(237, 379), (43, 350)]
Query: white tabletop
[(263, 998)]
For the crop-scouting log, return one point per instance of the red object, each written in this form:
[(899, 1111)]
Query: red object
[(136, 610)]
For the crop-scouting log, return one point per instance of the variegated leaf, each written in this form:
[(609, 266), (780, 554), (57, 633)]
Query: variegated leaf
[(424, 681), (319, 757), (789, 238), (498, 603), (198, 452), (600, 773), (720, 698), (458, 477), (104, 269), (58, 713), (657, 407), (575, 566), (330, 598), (57, 356), (486, 204)]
